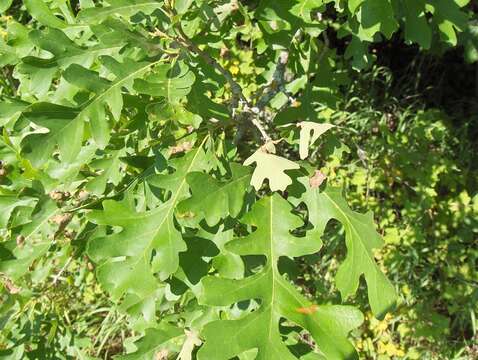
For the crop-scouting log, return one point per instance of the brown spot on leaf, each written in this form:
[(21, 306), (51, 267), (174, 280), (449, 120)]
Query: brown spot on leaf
[(83, 195), (20, 240), (61, 219), (308, 310), (59, 196), (161, 355), (317, 179), (10, 286), (186, 215), (183, 147)]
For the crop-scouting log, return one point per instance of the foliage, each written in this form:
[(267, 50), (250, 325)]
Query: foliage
[(137, 138)]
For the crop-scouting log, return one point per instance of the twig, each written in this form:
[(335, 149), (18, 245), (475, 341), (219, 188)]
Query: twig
[(57, 276), (238, 97), (277, 83), (324, 48), (322, 53), (236, 89), (261, 129)]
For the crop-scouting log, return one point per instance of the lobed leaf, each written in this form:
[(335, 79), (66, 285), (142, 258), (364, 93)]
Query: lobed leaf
[(214, 200), (149, 243), (271, 167), (361, 239), (328, 325)]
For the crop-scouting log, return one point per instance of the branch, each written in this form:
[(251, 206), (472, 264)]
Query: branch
[(238, 97), (277, 83), (261, 128), (320, 57), (236, 89), (57, 276), (324, 48)]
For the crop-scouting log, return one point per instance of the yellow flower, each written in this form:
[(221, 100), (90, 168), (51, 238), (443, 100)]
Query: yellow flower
[(359, 344), (400, 353), (234, 69), (382, 326), (382, 349), (390, 349)]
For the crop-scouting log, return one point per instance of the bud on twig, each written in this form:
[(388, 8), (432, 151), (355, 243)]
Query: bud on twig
[(20, 240)]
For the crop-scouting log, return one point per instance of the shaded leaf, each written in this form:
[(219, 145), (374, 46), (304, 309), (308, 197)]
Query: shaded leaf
[(153, 342), (65, 132), (108, 93), (166, 81), (42, 13), (214, 200), (118, 7)]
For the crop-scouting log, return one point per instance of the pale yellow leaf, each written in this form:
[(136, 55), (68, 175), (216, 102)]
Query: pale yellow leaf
[(192, 340), (309, 133), (272, 167)]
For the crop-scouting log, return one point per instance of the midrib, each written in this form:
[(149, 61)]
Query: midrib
[(112, 9), (353, 229), (173, 202), (119, 83), (273, 269)]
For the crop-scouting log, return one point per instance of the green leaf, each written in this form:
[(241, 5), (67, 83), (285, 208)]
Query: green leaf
[(10, 110), (227, 264), (65, 52), (113, 32), (8, 203), (149, 243), (21, 258), (358, 51), (303, 9), (5, 5), (126, 8), (110, 167), (182, 6), (40, 11), (170, 82), (376, 16), (449, 18), (153, 342), (214, 200), (39, 227), (361, 239), (272, 167), (354, 4), (416, 24), (108, 93), (470, 40), (64, 130), (327, 324)]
